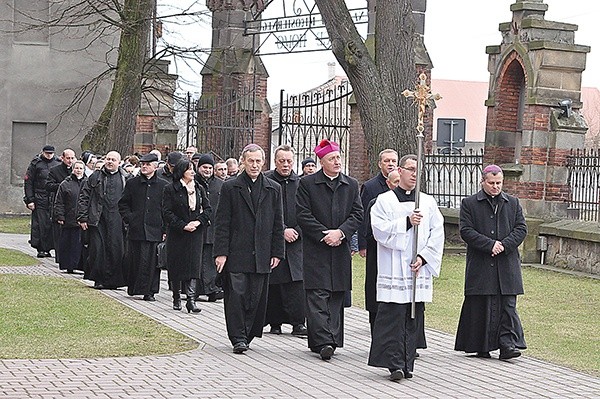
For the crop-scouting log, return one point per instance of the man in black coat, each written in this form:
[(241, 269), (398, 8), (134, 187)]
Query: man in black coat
[(38, 202), (56, 175), (98, 212), (248, 244), (206, 284), (329, 211), (141, 210), (286, 289), (493, 226), (388, 162)]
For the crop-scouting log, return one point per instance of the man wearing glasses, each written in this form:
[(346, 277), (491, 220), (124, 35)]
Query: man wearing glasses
[(394, 220)]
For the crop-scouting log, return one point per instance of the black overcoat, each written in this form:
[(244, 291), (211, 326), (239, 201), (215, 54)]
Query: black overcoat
[(65, 204), (90, 203), (184, 248), (140, 208), (293, 250), (481, 224), (369, 190), (320, 208), (248, 237), (35, 181)]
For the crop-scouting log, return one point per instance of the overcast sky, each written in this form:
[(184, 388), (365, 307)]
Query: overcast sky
[(456, 34)]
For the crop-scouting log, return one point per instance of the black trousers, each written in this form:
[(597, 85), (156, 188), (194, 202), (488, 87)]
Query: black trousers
[(286, 304), (394, 342), (245, 305), (325, 318)]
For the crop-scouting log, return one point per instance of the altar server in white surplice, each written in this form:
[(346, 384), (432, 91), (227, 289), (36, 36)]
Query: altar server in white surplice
[(393, 218)]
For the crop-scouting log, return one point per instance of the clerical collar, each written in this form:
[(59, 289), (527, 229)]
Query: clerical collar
[(331, 177)]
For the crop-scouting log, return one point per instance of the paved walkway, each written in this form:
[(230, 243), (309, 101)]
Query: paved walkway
[(276, 366)]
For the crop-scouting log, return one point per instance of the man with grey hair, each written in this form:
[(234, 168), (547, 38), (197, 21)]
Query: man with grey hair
[(248, 244), (388, 162), (493, 226), (286, 288), (98, 212)]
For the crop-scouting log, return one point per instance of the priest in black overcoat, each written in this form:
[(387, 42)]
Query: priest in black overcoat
[(248, 244), (98, 213), (329, 212), (140, 208), (286, 288), (493, 226)]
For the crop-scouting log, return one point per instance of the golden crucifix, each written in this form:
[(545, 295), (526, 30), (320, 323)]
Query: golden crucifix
[(422, 97)]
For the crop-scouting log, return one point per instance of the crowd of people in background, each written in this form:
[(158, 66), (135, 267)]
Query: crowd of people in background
[(276, 246)]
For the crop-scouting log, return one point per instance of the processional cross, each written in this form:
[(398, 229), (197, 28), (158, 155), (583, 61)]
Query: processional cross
[(423, 97)]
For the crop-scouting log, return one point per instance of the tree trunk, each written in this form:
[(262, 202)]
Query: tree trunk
[(115, 128), (388, 119)]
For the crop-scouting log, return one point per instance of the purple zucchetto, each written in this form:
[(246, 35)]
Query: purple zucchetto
[(493, 169)]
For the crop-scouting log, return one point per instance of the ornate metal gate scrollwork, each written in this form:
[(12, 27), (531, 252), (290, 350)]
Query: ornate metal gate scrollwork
[(226, 122), (308, 118)]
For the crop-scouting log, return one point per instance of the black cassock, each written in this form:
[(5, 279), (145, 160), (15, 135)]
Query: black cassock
[(106, 246)]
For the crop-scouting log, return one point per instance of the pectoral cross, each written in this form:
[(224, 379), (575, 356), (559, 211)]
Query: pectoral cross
[(423, 97)]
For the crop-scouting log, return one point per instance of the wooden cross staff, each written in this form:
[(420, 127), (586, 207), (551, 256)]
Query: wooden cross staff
[(423, 98)]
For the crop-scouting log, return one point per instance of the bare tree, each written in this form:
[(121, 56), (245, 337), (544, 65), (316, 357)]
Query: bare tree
[(138, 27), (378, 78)]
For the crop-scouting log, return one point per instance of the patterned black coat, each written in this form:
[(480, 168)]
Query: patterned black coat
[(481, 224)]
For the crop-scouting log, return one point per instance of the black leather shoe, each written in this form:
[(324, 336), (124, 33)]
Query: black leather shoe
[(41, 254), (177, 304), (275, 330), (240, 347), (396, 375), (483, 355), (326, 352), (149, 298), (509, 353), (98, 286), (300, 329), (407, 374)]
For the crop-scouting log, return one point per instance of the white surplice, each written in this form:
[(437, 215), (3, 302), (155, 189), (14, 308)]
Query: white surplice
[(395, 246)]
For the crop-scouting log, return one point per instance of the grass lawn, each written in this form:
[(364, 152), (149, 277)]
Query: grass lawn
[(12, 257), (15, 224), (49, 317), (559, 312)]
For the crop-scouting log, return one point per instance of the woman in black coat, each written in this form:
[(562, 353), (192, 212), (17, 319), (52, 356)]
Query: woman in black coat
[(65, 213), (186, 212)]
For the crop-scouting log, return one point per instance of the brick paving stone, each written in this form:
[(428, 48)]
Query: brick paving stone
[(275, 367)]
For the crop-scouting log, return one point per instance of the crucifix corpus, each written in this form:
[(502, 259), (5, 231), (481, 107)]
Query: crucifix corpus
[(423, 97)]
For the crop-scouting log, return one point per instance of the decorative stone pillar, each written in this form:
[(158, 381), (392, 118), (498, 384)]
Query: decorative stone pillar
[(234, 110), (155, 126), (536, 66)]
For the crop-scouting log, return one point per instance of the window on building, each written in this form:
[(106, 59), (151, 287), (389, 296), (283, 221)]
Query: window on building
[(30, 21)]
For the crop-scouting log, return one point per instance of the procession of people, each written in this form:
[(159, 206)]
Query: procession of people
[(276, 246)]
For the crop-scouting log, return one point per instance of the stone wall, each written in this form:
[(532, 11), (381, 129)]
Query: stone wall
[(573, 245)]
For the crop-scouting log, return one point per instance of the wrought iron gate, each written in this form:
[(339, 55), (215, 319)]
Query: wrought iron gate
[(308, 118), (226, 122)]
